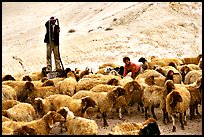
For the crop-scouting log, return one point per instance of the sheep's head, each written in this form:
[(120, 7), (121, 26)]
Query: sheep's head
[(51, 117), (169, 85), (184, 70), (149, 80), (88, 102), (173, 65), (174, 98), (27, 78), (48, 83), (116, 92), (151, 129), (44, 79), (44, 71), (113, 81), (132, 86), (29, 86), (8, 77), (66, 113), (38, 105), (170, 75), (24, 130)]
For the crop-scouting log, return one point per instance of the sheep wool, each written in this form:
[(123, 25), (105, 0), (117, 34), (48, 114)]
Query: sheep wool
[(21, 112), (87, 126)]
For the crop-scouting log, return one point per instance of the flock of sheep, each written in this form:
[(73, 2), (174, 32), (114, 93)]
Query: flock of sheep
[(33, 104)]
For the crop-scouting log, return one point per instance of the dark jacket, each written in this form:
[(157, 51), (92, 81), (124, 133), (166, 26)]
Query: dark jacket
[(56, 33)]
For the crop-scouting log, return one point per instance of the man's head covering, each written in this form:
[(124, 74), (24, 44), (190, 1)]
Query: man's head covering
[(52, 18)]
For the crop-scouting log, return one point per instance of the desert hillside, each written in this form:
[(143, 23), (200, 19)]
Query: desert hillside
[(104, 32)]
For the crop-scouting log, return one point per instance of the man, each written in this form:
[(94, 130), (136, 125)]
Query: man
[(52, 43), (131, 67)]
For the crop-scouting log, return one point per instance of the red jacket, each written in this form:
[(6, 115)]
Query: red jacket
[(132, 68)]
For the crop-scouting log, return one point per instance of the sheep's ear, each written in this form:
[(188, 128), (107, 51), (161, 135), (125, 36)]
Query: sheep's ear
[(84, 102), (199, 83), (49, 119), (63, 112), (177, 97)]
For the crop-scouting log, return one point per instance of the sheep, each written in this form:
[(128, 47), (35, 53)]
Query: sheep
[(8, 93), (21, 112), (16, 85), (87, 126), (112, 65), (6, 104), (26, 78), (48, 83), (195, 90), (184, 69), (24, 130), (68, 85), (192, 60), (42, 92), (177, 77), (178, 101), (55, 102), (192, 76), (41, 126), (154, 96), (125, 80), (149, 127), (104, 100), (38, 75), (124, 100), (83, 73), (87, 83), (8, 77), (168, 60)]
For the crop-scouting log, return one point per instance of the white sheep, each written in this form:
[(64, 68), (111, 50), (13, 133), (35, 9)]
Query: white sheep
[(192, 60), (155, 96), (21, 112), (104, 100), (192, 76), (68, 85), (78, 125), (6, 104), (41, 126), (55, 102), (8, 93), (177, 77), (178, 101), (149, 127)]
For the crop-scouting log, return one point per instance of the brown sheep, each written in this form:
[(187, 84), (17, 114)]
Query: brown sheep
[(41, 126), (104, 100), (177, 78), (178, 101), (8, 77), (8, 93), (195, 90), (6, 104), (87, 126), (55, 102), (192, 60)]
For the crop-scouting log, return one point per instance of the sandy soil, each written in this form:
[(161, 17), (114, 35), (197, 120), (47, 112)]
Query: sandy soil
[(105, 32)]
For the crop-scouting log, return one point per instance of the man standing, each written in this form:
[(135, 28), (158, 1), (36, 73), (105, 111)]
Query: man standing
[(52, 40)]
